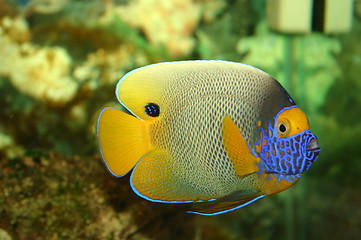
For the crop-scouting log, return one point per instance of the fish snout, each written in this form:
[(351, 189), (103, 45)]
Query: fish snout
[(313, 145)]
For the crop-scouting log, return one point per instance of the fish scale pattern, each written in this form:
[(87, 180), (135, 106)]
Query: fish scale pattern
[(191, 126)]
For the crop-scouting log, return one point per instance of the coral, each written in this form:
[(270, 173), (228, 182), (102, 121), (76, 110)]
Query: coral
[(40, 72), (169, 23), (104, 67), (46, 6), (43, 79), (59, 62), (4, 235), (8, 146), (76, 198), (15, 29), (10, 50), (12, 33), (8, 8), (47, 70), (212, 8)]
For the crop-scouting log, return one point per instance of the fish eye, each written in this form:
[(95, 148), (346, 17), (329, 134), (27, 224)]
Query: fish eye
[(282, 128), (152, 109)]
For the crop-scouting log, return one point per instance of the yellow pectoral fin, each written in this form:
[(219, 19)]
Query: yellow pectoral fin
[(123, 140), (237, 149)]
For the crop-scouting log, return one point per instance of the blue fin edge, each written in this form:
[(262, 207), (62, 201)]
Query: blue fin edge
[(229, 210)]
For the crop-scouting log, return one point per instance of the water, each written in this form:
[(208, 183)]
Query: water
[(59, 64)]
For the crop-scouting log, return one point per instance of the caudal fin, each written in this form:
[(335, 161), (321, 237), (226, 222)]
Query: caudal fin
[(123, 140)]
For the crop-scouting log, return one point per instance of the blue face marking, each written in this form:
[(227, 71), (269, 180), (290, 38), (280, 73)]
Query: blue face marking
[(288, 156)]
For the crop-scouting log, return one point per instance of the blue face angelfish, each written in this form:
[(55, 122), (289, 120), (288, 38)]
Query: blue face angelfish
[(217, 134)]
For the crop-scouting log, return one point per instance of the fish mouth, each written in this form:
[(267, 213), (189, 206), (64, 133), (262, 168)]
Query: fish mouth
[(313, 145)]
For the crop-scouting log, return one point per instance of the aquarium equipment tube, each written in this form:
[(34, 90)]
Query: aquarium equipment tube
[(295, 16)]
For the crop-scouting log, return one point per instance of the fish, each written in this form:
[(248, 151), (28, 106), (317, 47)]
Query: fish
[(217, 134)]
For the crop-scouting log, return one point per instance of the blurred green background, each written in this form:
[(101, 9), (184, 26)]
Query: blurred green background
[(59, 63)]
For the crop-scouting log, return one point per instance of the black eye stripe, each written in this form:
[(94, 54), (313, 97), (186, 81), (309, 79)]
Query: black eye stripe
[(152, 109)]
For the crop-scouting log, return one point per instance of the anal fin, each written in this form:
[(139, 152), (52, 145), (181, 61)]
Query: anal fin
[(226, 204), (159, 178)]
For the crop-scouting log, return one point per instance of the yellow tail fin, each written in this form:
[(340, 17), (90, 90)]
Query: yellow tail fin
[(123, 140)]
